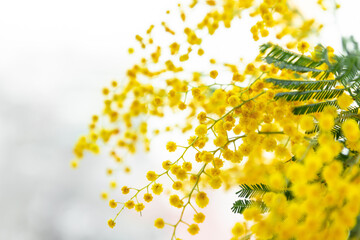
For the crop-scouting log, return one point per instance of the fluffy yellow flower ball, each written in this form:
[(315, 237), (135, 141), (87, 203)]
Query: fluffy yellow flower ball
[(157, 188), (111, 223), (234, 101), (125, 190), (193, 229), (151, 176), (303, 47), (177, 185), (148, 197), (112, 203), (159, 223), (207, 157), (351, 130), (139, 207), (307, 122), (176, 201), (238, 229), (326, 122), (202, 200), (201, 130), (166, 164), (130, 204), (199, 217), (171, 146), (213, 74), (344, 101)]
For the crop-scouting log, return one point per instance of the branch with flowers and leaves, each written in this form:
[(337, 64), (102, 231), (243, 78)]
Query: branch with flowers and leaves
[(283, 128)]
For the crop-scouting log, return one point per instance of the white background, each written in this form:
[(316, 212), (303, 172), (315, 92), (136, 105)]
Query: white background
[(55, 56)]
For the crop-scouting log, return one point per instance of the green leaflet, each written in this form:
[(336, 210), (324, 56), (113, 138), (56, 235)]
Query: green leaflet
[(352, 113), (247, 191), (303, 85), (240, 205), (355, 232), (307, 95), (282, 58), (250, 191), (346, 68), (315, 107), (336, 131), (290, 65)]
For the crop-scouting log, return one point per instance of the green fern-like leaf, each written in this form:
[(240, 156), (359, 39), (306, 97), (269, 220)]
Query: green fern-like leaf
[(346, 68), (348, 74), (315, 107), (289, 195), (353, 109), (307, 95), (355, 231), (321, 75), (282, 58), (240, 205), (350, 45), (354, 90), (352, 113), (257, 190), (314, 130), (290, 65), (266, 46), (279, 54), (336, 131), (302, 85), (355, 85)]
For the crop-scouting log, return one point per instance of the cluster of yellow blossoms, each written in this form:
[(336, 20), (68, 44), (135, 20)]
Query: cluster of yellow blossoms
[(238, 133)]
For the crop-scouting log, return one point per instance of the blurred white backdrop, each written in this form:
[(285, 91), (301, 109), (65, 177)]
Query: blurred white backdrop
[(55, 56)]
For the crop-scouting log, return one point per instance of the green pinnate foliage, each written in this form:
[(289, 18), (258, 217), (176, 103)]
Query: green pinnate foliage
[(313, 108), (249, 191), (307, 95), (323, 93), (303, 85), (285, 59), (345, 68), (240, 205)]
